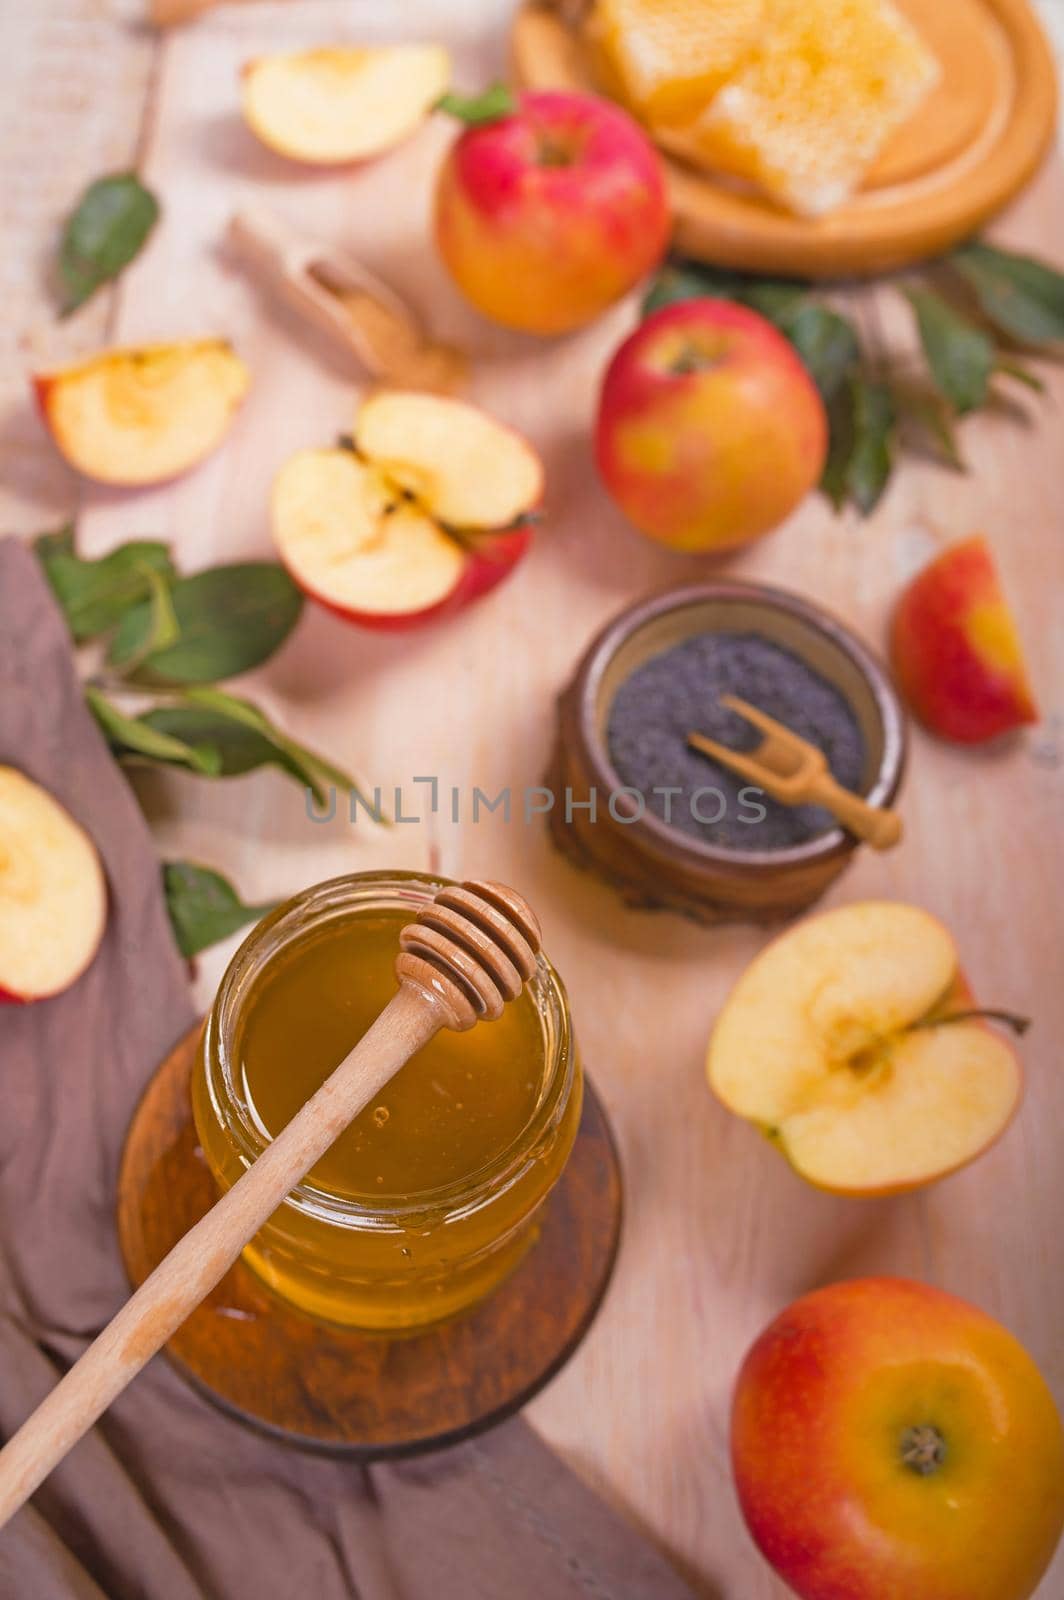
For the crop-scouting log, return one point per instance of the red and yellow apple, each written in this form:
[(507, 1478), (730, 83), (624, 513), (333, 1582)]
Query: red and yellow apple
[(139, 416), (428, 511), (53, 897), (956, 651), (548, 215), (852, 1042), (891, 1440), (343, 102), (710, 430)]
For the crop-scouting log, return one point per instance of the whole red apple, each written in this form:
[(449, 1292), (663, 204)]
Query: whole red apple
[(548, 215), (710, 430), (892, 1440), (956, 650)]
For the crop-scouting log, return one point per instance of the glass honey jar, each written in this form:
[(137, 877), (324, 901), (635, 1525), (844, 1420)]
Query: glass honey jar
[(430, 1198)]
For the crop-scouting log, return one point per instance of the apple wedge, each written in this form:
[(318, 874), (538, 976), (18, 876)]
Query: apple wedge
[(53, 897), (842, 1042), (139, 416), (423, 515), (343, 103), (468, 469)]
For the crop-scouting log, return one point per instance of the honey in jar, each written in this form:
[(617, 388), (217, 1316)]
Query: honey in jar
[(429, 1198)]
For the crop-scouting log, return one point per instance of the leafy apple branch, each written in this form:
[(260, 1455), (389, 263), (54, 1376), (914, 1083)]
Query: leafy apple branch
[(977, 312), (170, 640)]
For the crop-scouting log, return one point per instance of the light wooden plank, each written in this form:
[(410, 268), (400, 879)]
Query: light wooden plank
[(719, 1233)]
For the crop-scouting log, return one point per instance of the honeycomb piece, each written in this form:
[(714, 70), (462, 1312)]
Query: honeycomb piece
[(810, 109), (667, 58)]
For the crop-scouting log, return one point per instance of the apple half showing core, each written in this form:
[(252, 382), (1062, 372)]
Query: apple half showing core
[(425, 513), (140, 416), (342, 103), (53, 896), (838, 1043)]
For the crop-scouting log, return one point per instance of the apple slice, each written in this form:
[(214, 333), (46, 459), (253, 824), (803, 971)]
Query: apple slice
[(139, 416), (343, 103), (354, 542), (837, 1041), (956, 649), (468, 469), (53, 898)]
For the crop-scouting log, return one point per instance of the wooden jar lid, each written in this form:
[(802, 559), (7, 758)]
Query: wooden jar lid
[(368, 1395), (973, 144)]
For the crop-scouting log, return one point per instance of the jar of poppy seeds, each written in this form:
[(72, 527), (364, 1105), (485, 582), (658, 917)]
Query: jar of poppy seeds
[(667, 826)]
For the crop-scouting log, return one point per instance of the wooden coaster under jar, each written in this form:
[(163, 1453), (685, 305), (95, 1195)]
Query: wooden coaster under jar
[(657, 866), (392, 1317)]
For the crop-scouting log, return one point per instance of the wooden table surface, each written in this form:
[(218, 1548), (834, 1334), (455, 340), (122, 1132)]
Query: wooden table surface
[(720, 1234)]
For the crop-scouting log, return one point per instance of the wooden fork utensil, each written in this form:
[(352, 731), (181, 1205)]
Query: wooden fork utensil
[(795, 772)]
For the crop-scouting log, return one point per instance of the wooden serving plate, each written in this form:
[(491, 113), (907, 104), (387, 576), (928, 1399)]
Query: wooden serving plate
[(368, 1395), (973, 144)]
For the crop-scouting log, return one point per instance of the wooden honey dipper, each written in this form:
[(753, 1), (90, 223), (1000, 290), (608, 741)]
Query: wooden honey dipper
[(467, 954)]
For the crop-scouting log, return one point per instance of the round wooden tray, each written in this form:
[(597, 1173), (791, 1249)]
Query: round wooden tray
[(362, 1394), (976, 140)]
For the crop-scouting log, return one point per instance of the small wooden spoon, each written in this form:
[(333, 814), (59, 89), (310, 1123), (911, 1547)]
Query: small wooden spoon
[(350, 304), (795, 772), (469, 952)]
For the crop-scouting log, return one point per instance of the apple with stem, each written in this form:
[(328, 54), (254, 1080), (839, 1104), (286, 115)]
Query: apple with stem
[(342, 103), (853, 1043), (956, 650), (550, 210), (140, 416), (889, 1439), (710, 430), (53, 896), (429, 509)]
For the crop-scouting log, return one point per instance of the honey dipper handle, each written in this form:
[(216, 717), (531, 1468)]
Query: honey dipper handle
[(203, 1256), (878, 827)]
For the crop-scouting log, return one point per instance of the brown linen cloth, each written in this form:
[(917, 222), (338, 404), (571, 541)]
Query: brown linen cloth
[(168, 1499)]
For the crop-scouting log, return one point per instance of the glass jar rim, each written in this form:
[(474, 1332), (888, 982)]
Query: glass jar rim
[(297, 916)]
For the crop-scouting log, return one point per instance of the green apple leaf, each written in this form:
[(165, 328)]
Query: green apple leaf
[(1021, 296), (960, 355), (243, 737), (1021, 374), (107, 229), (861, 452), (204, 907), (692, 280), (134, 738), (925, 416), (826, 342), (96, 594), (229, 620), (491, 105)]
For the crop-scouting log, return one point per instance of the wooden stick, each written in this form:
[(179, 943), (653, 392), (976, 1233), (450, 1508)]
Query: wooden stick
[(469, 953), (172, 13)]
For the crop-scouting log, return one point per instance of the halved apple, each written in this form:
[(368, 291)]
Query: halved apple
[(138, 416), (423, 515), (345, 102), (452, 457), (837, 1041), (53, 897)]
